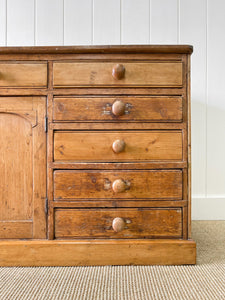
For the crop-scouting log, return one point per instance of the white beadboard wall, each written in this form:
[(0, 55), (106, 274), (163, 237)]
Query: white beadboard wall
[(197, 22)]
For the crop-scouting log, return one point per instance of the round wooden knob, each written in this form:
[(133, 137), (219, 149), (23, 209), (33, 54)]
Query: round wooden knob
[(118, 224), (118, 71), (118, 108), (119, 186), (118, 146)]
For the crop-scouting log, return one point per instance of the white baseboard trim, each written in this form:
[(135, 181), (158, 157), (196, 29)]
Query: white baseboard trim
[(208, 208)]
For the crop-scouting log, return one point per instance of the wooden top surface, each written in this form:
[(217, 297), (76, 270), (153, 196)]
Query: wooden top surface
[(98, 49)]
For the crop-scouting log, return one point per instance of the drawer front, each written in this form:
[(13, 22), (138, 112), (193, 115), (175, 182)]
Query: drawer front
[(117, 145), (118, 223), (156, 74), (153, 184), (23, 75), (118, 109)]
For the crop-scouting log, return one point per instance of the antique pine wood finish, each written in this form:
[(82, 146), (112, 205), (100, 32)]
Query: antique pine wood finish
[(86, 252), (100, 74), (152, 184), (141, 109), (139, 145), (139, 223), (95, 156), (22, 167), (23, 74)]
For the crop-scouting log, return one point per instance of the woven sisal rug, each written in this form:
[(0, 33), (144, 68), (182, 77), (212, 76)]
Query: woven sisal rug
[(204, 281)]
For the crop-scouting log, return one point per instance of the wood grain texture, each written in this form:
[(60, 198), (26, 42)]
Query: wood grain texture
[(189, 150), (119, 165), (128, 160), (118, 126), (16, 156), (22, 167), (16, 230), (39, 171), (23, 75), (139, 223), (100, 109), (14, 104), (100, 74), (119, 203), (50, 171), (100, 90), (97, 145), (97, 252), (157, 184), (156, 49)]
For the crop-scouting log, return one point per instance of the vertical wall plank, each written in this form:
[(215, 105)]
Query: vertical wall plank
[(106, 22), (77, 22), (20, 23), (163, 21), (193, 15), (49, 22), (216, 101), (2, 22), (135, 21)]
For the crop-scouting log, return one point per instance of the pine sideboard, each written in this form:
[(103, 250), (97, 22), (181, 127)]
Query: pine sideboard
[(95, 156)]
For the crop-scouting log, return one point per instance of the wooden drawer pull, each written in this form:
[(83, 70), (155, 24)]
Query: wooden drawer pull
[(118, 108), (118, 146), (119, 186), (118, 224), (118, 71)]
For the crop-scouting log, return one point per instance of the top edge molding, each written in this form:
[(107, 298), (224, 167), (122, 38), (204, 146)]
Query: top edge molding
[(98, 49)]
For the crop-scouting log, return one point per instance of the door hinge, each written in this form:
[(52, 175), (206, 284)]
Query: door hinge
[(46, 124), (46, 206)]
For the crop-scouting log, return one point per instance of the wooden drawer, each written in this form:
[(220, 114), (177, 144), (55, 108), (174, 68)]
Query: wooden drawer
[(118, 109), (156, 74), (117, 145), (152, 184), (23, 75), (118, 223)]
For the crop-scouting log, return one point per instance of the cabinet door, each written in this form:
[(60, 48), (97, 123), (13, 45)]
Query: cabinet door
[(22, 167)]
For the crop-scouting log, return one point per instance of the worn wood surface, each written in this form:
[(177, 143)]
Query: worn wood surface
[(97, 145), (16, 193), (99, 49), (100, 109), (118, 165), (23, 74), (147, 181), (117, 126), (39, 171), (97, 252), (155, 184), (189, 197), (116, 203), (16, 229), (139, 223), (81, 91), (100, 73), (22, 167), (49, 168)]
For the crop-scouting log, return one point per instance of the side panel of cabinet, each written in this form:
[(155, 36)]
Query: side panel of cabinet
[(22, 167)]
